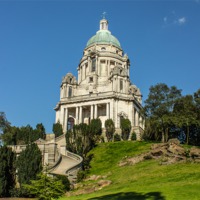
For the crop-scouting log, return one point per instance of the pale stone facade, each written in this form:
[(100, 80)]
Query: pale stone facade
[(103, 89)]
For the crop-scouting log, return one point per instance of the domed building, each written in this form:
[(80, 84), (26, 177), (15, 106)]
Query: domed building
[(103, 89)]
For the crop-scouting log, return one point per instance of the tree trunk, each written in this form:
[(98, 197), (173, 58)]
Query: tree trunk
[(187, 139), (163, 136), (166, 134)]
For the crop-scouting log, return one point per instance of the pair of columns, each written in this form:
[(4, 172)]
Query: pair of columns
[(79, 113)]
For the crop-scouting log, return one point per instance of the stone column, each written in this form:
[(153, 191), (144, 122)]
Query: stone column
[(76, 115), (80, 115), (116, 114), (65, 120), (91, 112), (107, 111), (108, 67), (136, 118), (95, 111)]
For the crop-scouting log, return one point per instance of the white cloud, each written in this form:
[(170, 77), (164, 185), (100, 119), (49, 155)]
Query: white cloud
[(173, 20), (180, 21)]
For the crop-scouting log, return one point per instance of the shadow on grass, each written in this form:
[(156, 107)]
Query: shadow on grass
[(131, 196)]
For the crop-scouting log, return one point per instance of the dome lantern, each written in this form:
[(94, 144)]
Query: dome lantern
[(103, 36)]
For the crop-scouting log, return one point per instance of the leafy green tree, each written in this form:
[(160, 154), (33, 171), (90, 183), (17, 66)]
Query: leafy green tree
[(7, 171), (197, 102), (185, 115), (29, 164), (159, 106), (40, 129), (79, 140), (95, 129), (45, 187), (65, 181), (125, 126), (57, 129), (3, 124), (110, 129), (9, 137)]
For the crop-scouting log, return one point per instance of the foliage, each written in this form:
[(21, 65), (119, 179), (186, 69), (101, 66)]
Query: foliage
[(133, 136), (81, 175), (3, 124), (65, 181), (57, 129), (110, 129), (168, 114), (185, 115), (41, 133), (78, 139), (95, 129), (82, 138), (125, 126), (45, 188), (117, 137), (23, 135), (29, 164), (7, 171), (158, 108)]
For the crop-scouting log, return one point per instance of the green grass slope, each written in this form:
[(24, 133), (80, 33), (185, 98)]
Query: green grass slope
[(142, 181)]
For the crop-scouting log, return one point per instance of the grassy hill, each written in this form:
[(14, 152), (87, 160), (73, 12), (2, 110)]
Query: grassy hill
[(142, 181)]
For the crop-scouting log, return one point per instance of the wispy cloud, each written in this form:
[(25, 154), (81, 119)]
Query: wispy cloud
[(173, 19), (181, 21)]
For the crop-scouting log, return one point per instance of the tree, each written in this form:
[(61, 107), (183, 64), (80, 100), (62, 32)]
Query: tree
[(125, 126), (159, 106), (7, 171), (57, 129), (95, 129), (110, 129), (41, 131), (79, 140), (29, 164), (45, 187), (3, 124), (185, 115), (9, 136)]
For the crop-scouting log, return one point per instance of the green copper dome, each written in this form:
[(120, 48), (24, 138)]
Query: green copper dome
[(103, 37)]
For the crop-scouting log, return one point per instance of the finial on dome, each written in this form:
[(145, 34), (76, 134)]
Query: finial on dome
[(104, 22), (104, 15)]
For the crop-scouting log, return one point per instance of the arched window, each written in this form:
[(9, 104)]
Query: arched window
[(70, 92), (103, 48), (70, 123)]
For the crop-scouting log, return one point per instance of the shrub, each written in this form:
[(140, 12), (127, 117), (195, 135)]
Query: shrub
[(117, 137), (110, 129), (133, 136), (81, 175), (65, 181), (125, 126)]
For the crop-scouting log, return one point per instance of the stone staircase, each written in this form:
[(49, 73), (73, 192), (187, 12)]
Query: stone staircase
[(68, 165)]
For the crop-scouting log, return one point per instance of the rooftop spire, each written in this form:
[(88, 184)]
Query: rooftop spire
[(104, 22)]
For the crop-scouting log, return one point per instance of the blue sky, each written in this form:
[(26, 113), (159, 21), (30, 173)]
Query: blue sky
[(41, 41)]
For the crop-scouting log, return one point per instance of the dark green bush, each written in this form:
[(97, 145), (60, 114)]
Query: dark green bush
[(133, 136), (117, 137)]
